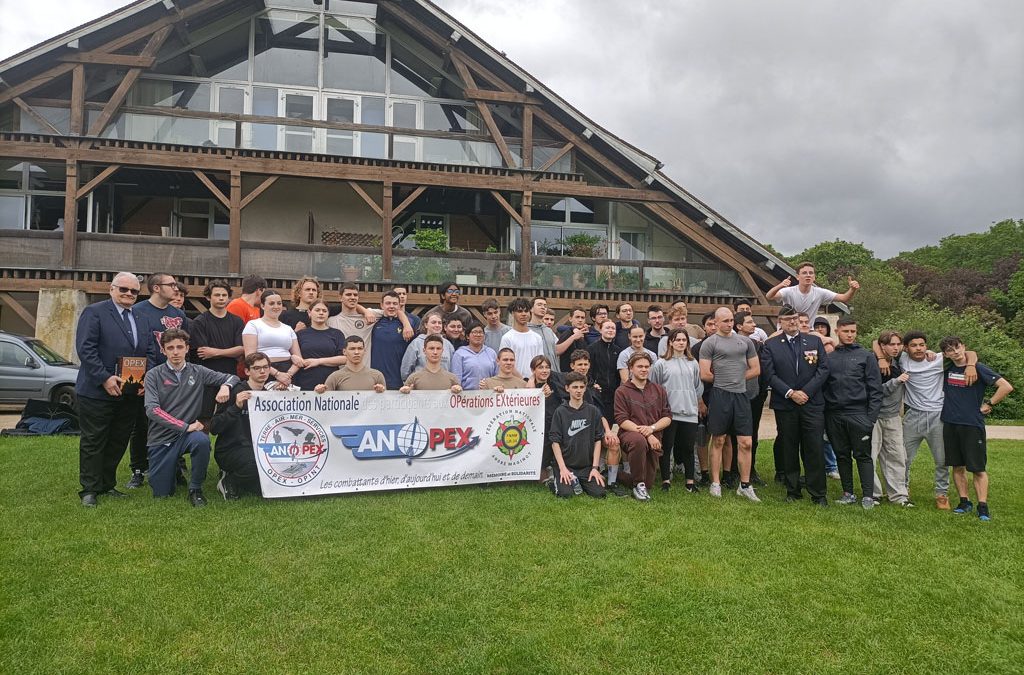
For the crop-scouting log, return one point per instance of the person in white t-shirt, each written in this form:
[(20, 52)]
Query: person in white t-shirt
[(807, 297), (525, 343)]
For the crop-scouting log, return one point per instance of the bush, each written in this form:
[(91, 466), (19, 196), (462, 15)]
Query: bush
[(995, 348)]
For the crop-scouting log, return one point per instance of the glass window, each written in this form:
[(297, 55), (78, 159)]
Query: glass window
[(403, 115), (355, 52), (411, 74), (632, 245), (12, 212), (60, 118), (451, 117), (162, 93), (341, 110), (46, 212), (49, 176), (225, 57), (352, 7), (286, 48), (11, 172)]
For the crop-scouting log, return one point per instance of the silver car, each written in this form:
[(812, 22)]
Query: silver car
[(31, 369)]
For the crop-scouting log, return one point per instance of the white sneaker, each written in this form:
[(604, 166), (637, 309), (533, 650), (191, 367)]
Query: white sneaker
[(640, 492), (834, 475), (715, 490), (748, 492)]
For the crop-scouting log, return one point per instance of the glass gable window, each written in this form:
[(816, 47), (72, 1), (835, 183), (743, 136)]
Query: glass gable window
[(221, 56), (166, 94), (286, 48), (355, 54), (413, 74)]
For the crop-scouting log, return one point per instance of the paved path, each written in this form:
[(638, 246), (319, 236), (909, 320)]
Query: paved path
[(767, 429)]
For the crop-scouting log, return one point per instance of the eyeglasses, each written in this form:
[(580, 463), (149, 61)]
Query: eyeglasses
[(172, 285), (125, 289), (453, 291), (259, 368)]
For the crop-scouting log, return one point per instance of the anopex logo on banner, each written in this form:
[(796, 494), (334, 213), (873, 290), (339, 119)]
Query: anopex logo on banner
[(310, 444)]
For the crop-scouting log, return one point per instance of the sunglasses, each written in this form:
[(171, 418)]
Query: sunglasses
[(453, 291), (125, 289)]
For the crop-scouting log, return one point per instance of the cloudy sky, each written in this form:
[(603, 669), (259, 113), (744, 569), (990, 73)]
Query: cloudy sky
[(889, 122)]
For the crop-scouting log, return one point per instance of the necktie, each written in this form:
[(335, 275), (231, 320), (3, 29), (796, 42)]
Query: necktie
[(796, 353), (126, 317)]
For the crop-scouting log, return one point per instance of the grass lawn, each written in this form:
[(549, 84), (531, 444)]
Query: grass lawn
[(505, 579)]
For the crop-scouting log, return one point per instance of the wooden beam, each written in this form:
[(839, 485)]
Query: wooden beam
[(527, 137), (77, 100), (97, 181), (386, 220), (235, 224), (260, 189), (117, 98), (102, 58), (39, 119), (366, 198), (485, 112), (33, 83), (516, 216), (198, 305), (19, 309), (526, 274), (407, 202), (500, 97), (212, 187), (68, 253), (557, 156)]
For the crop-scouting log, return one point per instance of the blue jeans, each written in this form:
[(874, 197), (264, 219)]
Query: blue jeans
[(163, 461), (830, 459)]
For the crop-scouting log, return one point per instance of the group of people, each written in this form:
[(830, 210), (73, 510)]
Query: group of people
[(623, 402)]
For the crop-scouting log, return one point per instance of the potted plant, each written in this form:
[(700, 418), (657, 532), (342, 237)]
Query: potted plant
[(583, 245)]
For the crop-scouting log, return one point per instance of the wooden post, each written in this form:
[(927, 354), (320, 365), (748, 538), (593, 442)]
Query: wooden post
[(68, 254), (385, 231), (527, 152), (526, 274), (235, 224), (77, 100)]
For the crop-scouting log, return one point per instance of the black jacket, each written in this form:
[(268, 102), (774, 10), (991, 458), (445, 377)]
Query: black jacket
[(783, 374), (854, 385), (603, 358)]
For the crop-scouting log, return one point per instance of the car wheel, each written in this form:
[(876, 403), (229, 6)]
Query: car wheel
[(65, 395)]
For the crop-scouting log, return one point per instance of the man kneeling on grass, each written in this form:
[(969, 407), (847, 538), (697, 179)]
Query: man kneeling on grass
[(234, 454), (174, 401), (963, 423), (575, 437), (643, 413)]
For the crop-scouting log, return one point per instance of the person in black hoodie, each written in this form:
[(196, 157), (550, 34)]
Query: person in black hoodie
[(853, 400), (233, 452)]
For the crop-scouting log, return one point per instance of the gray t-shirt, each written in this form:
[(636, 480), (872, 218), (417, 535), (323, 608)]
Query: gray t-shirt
[(924, 388), (728, 356), (806, 302)]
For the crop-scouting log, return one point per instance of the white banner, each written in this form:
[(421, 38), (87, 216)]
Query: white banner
[(310, 444)]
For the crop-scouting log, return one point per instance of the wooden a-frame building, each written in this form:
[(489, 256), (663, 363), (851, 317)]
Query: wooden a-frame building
[(218, 138)]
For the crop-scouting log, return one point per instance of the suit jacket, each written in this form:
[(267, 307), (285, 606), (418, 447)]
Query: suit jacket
[(100, 341), (780, 369)]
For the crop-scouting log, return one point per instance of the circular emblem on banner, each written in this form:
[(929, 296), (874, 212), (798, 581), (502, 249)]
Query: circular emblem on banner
[(512, 433), (412, 439), (292, 449)]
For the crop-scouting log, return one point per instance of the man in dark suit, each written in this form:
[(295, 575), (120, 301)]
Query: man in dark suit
[(107, 331), (796, 368)]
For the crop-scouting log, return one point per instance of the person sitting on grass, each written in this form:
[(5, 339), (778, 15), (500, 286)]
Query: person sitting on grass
[(575, 437), (174, 401), (580, 363), (963, 423), (234, 453), (432, 377)]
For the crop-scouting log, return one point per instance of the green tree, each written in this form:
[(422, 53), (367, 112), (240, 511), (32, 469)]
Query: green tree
[(833, 260), (978, 250)]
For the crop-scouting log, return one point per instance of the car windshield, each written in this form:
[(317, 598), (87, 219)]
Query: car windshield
[(46, 353)]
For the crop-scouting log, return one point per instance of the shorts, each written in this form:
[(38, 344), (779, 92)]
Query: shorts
[(729, 413), (965, 446)]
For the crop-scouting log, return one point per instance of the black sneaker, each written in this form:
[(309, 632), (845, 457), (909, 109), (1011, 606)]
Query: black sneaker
[(666, 486), (756, 479), (196, 497), (114, 492), (225, 487), (983, 513), (618, 489), (705, 479), (692, 488), (730, 479), (137, 480)]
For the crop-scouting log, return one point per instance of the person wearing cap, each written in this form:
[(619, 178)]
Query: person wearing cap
[(824, 330), (796, 368)]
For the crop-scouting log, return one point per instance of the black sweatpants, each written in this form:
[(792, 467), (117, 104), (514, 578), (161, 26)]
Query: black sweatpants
[(678, 441), (850, 436)]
